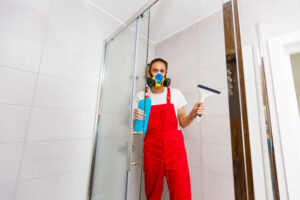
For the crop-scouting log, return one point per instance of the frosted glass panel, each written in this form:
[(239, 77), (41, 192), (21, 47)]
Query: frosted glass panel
[(124, 66)]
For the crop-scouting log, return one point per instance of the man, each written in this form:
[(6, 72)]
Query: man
[(164, 150)]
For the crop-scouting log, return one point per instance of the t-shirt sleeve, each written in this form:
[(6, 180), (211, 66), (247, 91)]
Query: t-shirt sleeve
[(137, 98), (181, 101), (135, 101)]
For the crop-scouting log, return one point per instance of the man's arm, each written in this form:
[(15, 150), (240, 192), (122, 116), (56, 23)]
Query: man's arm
[(186, 120)]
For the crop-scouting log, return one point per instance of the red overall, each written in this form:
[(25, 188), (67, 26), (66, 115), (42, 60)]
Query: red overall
[(165, 155)]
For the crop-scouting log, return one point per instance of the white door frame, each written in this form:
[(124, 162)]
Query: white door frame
[(287, 140)]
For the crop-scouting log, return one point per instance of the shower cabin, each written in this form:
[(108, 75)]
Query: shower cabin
[(117, 161), (207, 51)]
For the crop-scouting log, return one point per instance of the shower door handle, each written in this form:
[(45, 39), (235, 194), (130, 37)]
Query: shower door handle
[(130, 145)]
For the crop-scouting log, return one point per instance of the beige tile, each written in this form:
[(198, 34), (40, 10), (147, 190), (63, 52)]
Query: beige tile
[(16, 86), (217, 158), (13, 123), (10, 159), (216, 129), (216, 187), (23, 19), (59, 93), (7, 191), (48, 158), (19, 52), (61, 186), (56, 124)]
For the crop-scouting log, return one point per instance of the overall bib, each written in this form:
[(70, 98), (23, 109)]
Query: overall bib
[(165, 155)]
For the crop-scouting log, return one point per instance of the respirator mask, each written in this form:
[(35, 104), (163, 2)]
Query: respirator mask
[(158, 81)]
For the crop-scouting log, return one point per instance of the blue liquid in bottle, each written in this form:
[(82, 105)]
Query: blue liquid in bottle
[(141, 125)]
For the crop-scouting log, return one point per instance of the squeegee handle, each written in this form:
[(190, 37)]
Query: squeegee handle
[(198, 117)]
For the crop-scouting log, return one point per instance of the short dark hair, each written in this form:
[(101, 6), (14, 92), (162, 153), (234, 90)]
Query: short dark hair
[(158, 60)]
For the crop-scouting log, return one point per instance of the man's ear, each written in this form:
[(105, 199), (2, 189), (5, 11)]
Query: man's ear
[(148, 71)]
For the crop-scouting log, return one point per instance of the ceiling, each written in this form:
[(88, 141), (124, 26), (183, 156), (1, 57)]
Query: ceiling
[(167, 16)]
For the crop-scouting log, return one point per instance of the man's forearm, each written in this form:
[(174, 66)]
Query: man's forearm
[(187, 120)]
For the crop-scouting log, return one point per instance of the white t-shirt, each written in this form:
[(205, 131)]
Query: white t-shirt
[(177, 99)]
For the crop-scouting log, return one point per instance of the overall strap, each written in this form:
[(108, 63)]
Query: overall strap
[(169, 96)]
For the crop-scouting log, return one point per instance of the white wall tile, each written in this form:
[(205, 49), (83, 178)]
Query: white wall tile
[(55, 124), (7, 191), (216, 129), (193, 149), (217, 105), (10, 159), (217, 187), (69, 66), (192, 99), (184, 63), (212, 54), (114, 194), (196, 182), (213, 76), (46, 158), (192, 132), (54, 92), (16, 87), (170, 48), (19, 52), (211, 29), (72, 13), (70, 39), (211, 6), (42, 6), (186, 82), (13, 123), (186, 42), (217, 158), (22, 19), (62, 186)]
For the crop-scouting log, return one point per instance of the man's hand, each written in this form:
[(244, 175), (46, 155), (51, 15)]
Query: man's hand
[(186, 120), (199, 108), (138, 114)]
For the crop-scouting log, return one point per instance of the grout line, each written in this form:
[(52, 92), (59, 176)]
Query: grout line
[(48, 75), (33, 98), (219, 174), (54, 174), (16, 69), (20, 35), (49, 107), (72, 53), (50, 140), (53, 46)]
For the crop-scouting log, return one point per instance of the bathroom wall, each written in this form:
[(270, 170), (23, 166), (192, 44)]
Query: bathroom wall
[(196, 55), (49, 69)]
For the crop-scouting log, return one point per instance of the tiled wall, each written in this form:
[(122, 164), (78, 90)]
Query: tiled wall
[(49, 68), (197, 56)]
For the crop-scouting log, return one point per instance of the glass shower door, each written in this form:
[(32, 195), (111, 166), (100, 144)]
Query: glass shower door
[(125, 56)]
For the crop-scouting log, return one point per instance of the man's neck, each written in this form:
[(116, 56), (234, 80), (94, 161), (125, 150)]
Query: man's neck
[(155, 90)]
